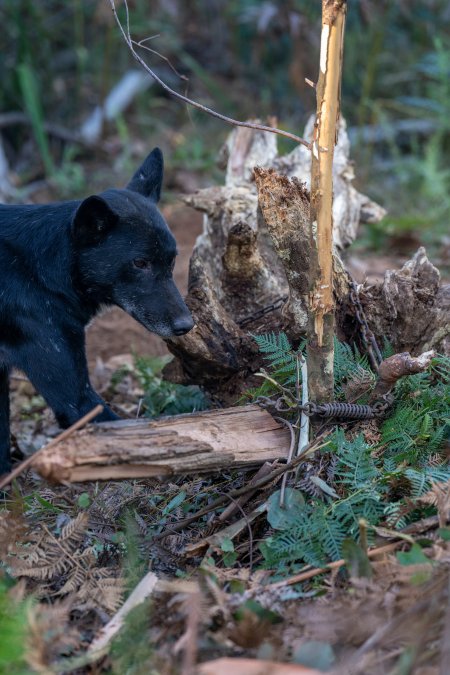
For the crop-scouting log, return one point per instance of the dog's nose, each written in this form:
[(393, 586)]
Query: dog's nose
[(183, 326)]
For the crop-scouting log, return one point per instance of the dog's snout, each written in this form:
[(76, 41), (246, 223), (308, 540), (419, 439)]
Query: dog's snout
[(183, 325)]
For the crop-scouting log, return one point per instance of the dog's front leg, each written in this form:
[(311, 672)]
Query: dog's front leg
[(58, 370), (5, 457)]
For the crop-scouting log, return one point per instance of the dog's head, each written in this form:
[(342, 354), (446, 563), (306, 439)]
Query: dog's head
[(125, 252)]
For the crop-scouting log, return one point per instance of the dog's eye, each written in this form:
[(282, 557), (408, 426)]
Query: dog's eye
[(141, 263)]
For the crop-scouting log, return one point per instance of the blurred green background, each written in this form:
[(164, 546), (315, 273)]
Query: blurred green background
[(245, 58)]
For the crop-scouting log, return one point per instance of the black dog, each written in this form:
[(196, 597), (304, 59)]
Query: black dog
[(59, 265)]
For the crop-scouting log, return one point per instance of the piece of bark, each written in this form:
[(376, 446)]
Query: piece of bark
[(399, 365), (285, 209), (184, 444), (235, 270), (284, 205)]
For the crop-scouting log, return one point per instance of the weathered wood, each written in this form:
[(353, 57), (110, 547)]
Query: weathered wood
[(284, 204), (235, 270), (197, 443), (410, 308)]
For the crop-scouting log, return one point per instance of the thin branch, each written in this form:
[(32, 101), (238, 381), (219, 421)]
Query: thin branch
[(415, 528), (289, 459), (303, 438), (298, 578), (161, 56), (62, 436), (315, 445), (229, 120)]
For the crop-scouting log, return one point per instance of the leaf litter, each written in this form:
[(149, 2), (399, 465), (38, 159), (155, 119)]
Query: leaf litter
[(71, 555)]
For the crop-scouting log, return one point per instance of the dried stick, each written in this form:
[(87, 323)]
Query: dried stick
[(399, 365), (289, 459), (303, 438), (312, 447), (188, 642), (332, 566), (229, 120), (415, 528), (62, 437)]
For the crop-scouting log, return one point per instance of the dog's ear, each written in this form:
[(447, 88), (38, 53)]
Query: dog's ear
[(148, 178), (93, 219)]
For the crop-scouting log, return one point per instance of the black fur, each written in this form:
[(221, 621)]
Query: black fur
[(59, 265)]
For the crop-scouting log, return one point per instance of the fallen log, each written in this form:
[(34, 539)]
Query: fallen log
[(185, 444)]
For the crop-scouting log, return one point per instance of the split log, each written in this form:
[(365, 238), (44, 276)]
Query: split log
[(185, 444), (235, 270)]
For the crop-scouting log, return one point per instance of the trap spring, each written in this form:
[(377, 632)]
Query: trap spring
[(337, 409), (349, 411)]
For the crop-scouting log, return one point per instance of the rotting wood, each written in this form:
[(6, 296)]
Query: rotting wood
[(6, 480), (200, 442), (285, 209), (284, 205), (410, 307), (234, 269)]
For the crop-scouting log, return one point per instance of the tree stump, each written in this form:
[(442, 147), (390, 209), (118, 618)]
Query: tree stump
[(410, 308), (236, 269)]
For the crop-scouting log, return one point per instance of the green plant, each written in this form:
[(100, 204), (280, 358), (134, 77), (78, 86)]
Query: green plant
[(378, 483), (351, 368), (132, 650), (162, 397), (70, 179), (13, 631), (32, 103)]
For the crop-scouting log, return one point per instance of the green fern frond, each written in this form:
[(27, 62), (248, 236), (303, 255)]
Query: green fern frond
[(405, 463), (355, 467), (274, 345), (348, 364)]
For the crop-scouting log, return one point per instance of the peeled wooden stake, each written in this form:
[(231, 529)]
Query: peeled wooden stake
[(321, 313)]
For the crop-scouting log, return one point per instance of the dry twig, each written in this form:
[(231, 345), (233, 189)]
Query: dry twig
[(62, 437), (309, 449), (332, 566), (229, 120)]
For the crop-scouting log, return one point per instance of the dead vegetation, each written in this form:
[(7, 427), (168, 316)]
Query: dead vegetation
[(80, 550)]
